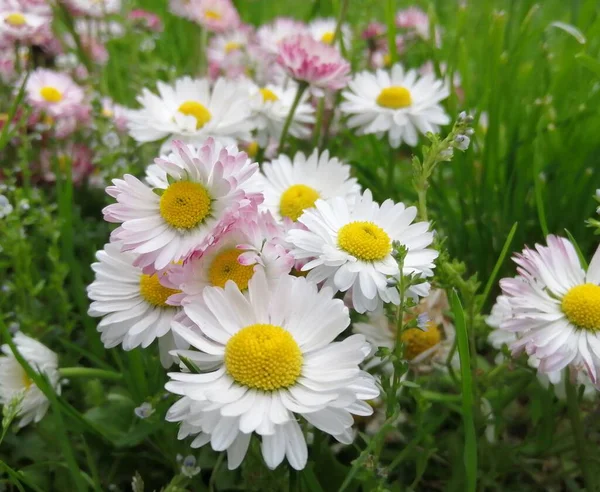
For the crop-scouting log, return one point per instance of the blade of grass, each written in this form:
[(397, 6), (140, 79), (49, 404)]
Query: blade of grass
[(582, 259), (498, 265), (470, 450)]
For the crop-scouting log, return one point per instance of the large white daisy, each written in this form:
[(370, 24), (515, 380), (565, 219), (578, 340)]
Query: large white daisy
[(271, 105), (15, 383), (206, 192), (191, 110), (350, 246), (266, 358), (555, 307), (397, 103), (133, 305), (292, 186)]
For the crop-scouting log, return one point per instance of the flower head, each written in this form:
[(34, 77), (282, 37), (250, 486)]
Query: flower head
[(147, 20), (318, 64), (202, 192), (21, 24), (16, 384), (292, 186), (323, 30), (350, 246), (267, 357), (214, 15), (55, 93), (193, 110), (555, 307), (397, 103)]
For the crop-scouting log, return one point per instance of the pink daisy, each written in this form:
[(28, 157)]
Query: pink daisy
[(215, 15), (313, 62), (204, 191), (54, 93)]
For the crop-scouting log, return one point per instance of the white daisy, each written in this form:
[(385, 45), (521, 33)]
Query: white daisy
[(20, 25), (266, 358), (555, 307), (323, 29), (227, 52), (271, 105), (191, 110), (269, 36), (351, 247), (205, 194), (400, 104), (292, 186), (251, 245), (15, 383), (133, 306)]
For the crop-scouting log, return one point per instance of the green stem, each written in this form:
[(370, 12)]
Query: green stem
[(301, 88), (89, 372), (319, 123), (391, 171), (578, 434), (390, 14), (203, 68)]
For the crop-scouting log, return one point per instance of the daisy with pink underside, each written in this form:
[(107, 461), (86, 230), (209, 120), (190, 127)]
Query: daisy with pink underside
[(204, 193), (319, 65), (214, 15), (19, 23), (555, 307), (55, 93)]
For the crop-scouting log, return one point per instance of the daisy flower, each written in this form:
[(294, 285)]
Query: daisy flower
[(270, 36), (413, 18), (205, 193), (271, 105), (292, 186), (351, 247), (20, 25), (252, 245), (555, 305), (267, 358), (95, 8), (54, 93), (226, 52), (323, 30), (214, 15), (133, 306), (191, 110), (315, 63), (16, 384), (400, 104)]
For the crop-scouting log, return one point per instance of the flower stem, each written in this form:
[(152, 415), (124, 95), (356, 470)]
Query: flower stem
[(319, 123), (301, 88), (89, 372), (578, 433), (391, 30)]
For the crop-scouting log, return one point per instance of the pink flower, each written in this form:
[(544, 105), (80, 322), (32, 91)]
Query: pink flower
[(412, 18), (270, 36), (147, 20), (373, 30), (214, 15), (39, 7), (17, 24), (76, 155), (54, 93), (318, 64)]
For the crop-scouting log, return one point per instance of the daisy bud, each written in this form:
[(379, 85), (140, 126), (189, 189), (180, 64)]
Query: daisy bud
[(461, 142), (144, 411)]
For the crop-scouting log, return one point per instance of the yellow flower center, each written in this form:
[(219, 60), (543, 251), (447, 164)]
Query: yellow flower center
[(225, 266), (417, 341), (387, 59), (212, 15), (15, 19), (268, 95), (394, 97), (154, 292), (365, 241), (296, 199), (198, 111), (232, 46), (184, 204), (252, 149), (26, 380), (581, 305), (264, 357), (51, 94), (107, 112), (327, 38)]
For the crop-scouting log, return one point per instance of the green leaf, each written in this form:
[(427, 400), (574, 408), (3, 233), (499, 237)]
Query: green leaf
[(588, 62), (570, 29)]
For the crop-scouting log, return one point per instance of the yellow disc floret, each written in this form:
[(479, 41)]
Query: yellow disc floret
[(15, 19), (252, 149), (225, 266), (296, 199), (268, 95), (263, 357), (581, 305), (154, 292), (327, 38), (232, 46), (364, 240), (198, 111), (51, 94), (417, 341), (394, 97), (184, 204), (212, 15)]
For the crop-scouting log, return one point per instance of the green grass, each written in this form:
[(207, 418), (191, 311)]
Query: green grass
[(532, 169)]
